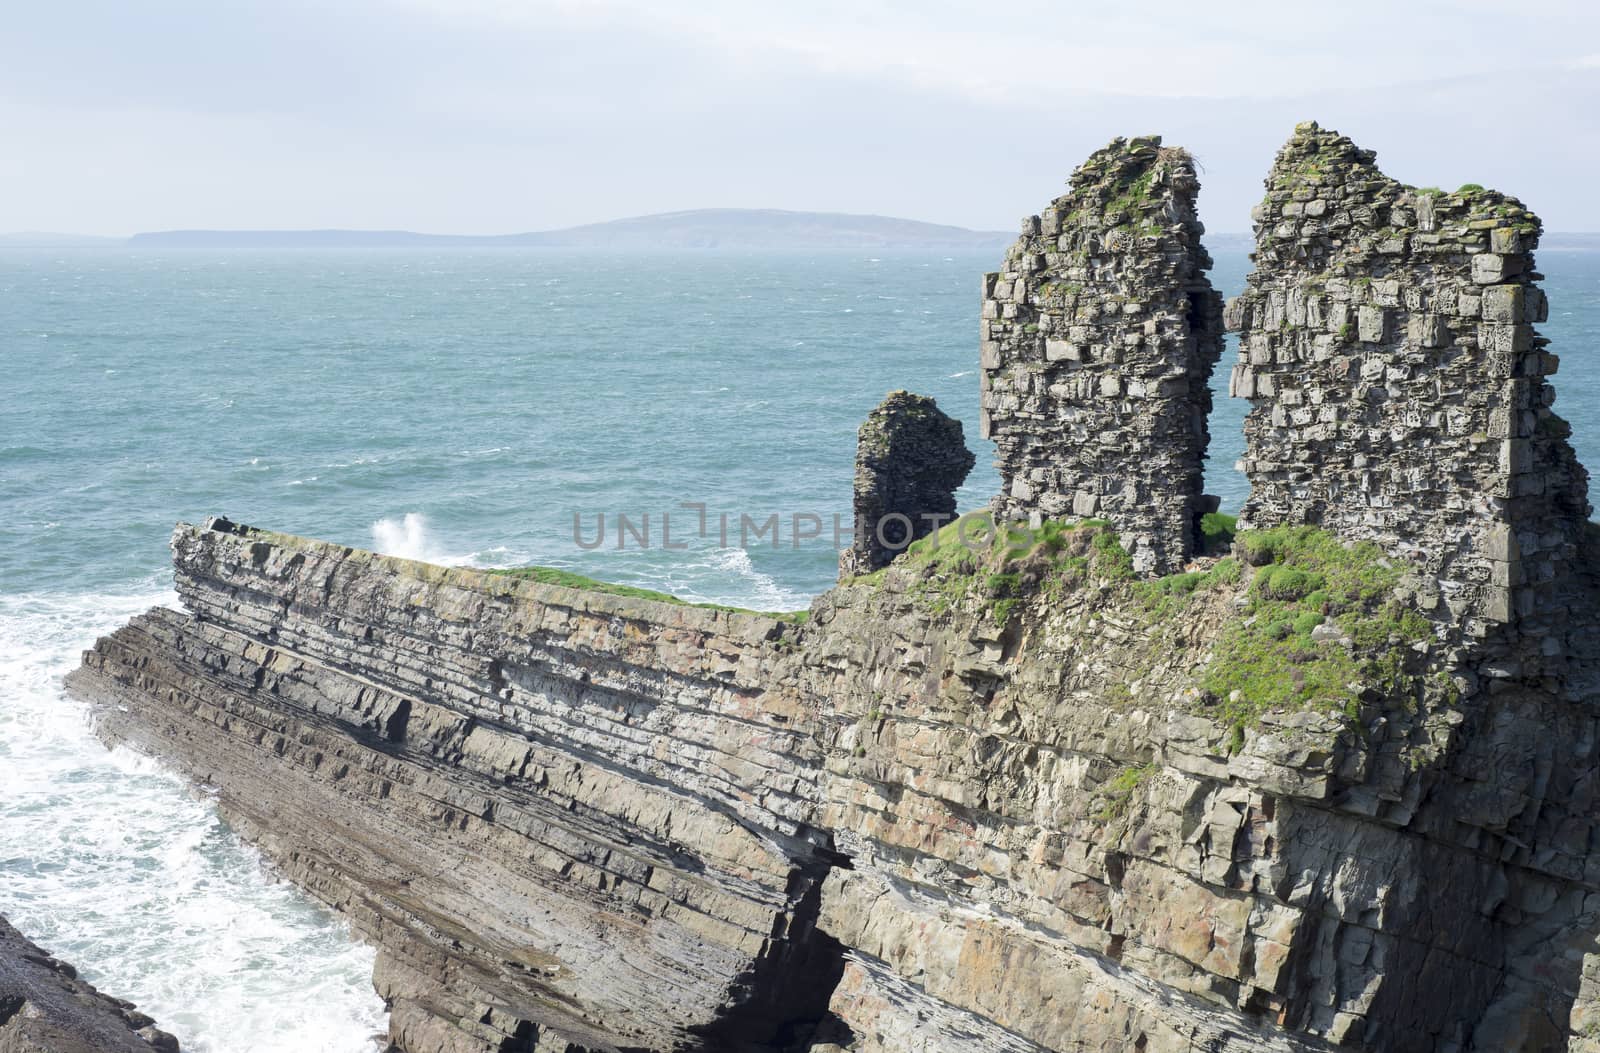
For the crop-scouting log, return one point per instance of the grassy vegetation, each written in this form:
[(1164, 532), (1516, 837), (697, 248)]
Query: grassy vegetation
[(968, 558), (1120, 788), (1216, 532), (1268, 655), (1268, 658), (567, 579)]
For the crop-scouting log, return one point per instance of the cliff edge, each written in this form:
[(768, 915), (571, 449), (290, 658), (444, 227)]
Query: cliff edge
[(1047, 781)]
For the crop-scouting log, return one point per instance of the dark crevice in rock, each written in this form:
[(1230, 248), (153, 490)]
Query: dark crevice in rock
[(10, 1006), (783, 1001)]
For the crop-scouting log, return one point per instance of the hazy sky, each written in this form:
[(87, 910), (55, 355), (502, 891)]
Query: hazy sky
[(493, 116)]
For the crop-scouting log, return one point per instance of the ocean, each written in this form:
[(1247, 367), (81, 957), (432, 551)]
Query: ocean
[(460, 406)]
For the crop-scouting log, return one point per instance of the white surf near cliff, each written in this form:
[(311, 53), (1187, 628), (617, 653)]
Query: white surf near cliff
[(114, 865)]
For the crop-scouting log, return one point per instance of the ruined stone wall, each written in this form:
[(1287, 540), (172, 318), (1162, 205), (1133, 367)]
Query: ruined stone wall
[(1099, 337), (1398, 388), (910, 460)]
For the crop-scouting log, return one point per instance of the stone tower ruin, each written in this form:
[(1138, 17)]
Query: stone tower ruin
[(1099, 338), (1397, 385)]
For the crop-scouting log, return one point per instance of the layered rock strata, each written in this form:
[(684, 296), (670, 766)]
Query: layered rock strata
[(1398, 387), (46, 1008), (575, 819), (1025, 798), (558, 821), (1100, 335), (911, 458)]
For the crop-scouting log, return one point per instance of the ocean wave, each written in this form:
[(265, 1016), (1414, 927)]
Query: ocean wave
[(409, 537), (111, 862)]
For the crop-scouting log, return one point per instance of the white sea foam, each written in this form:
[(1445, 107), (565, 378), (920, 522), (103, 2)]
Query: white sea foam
[(756, 590), (406, 537), (110, 862)]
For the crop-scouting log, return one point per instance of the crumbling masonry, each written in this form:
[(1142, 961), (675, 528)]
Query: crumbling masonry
[(911, 458), (1099, 338), (1397, 385)]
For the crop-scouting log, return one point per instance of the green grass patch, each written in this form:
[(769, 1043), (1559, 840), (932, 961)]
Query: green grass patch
[(1216, 532), (1268, 659), (569, 580), (1001, 569), (1120, 788)]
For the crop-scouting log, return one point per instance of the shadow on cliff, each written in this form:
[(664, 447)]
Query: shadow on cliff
[(783, 1001)]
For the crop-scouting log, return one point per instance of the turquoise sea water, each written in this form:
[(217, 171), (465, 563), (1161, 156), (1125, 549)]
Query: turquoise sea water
[(458, 406)]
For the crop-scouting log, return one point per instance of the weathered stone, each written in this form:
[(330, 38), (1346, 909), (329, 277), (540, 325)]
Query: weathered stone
[(46, 1008), (1401, 456), (959, 810), (910, 460), (1123, 326)]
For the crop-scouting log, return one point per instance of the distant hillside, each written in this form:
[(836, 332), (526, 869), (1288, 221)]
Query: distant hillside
[(713, 228), (738, 228)]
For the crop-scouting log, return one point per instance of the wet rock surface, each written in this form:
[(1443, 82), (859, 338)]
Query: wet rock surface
[(46, 1008)]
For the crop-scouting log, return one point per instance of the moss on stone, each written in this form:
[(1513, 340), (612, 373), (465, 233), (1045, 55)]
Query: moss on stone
[(1271, 657)]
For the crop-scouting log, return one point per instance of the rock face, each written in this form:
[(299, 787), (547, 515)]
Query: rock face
[(1380, 321), (911, 458), (45, 1008), (1099, 338), (559, 822), (1024, 799)]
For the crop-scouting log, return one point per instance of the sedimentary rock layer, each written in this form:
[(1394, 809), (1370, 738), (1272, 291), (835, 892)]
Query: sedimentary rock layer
[(1099, 338), (1398, 387), (620, 824), (1023, 799), (551, 816), (46, 1008)]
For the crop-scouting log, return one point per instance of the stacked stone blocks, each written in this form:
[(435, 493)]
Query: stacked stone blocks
[(1099, 338), (1398, 387)]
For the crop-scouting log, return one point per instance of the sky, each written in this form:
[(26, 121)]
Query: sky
[(499, 116)]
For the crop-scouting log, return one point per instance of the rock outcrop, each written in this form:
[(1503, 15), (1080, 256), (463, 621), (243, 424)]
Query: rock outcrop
[(1024, 797), (1398, 388), (911, 458), (1099, 339), (46, 1008), (559, 821)]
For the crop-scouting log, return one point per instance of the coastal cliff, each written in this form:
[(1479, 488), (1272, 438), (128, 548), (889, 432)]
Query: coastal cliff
[(1311, 789)]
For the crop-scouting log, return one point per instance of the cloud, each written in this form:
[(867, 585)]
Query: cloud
[(1046, 51), (490, 116)]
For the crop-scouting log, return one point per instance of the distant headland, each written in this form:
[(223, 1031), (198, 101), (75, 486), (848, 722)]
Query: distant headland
[(711, 228)]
